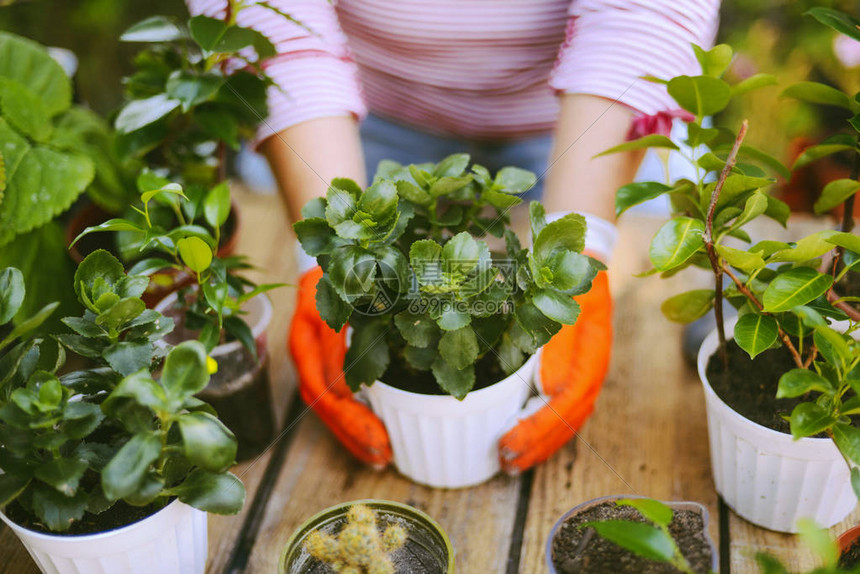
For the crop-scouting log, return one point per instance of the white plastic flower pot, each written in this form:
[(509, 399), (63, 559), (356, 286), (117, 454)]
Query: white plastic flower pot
[(171, 541), (766, 476), (445, 443)]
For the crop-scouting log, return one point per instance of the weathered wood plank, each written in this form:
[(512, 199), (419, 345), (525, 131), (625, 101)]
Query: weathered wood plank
[(319, 473), (648, 434)]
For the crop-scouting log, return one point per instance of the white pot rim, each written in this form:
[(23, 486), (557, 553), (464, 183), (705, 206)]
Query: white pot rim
[(58, 538), (259, 307), (498, 391), (708, 348)]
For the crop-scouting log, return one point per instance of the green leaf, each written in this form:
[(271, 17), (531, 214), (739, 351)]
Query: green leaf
[(645, 142), (675, 242), (830, 146), (210, 492), (651, 509), (455, 382), (689, 306), (138, 114), (207, 442), (777, 210), (461, 253), (418, 330), (701, 95), (572, 273), (352, 270), (424, 257), (835, 193), (11, 486), (12, 292), (24, 110), (855, 480), (380, 201), (515, 180), (795, 287), (714, 61), (56, 510), (849, 241), (30, 64), (833, 347), (413, 193), (756, 333), (452, 319), (64, 474), (459, 348), (109, 225), (565, 234), (153, 29), (816, 93), (170, 189), (635, 193), (195, 253), (127, 469), (847, 438), (642, 539), (744, 260), (315, 236), (333, 310), (798, 382), (809, 419), (367, 356), (452, 166), (216, 206), (127, 357), (557, 306), (216, 35), (192, 89), (240, 330), (810, 247), (448, 185), (819, 541), (754, 82), (139, 387), (839, 21), (185, 371)]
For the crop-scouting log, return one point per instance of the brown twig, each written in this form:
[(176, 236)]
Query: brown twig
[(708, 238), (783, 336), (813, 352)]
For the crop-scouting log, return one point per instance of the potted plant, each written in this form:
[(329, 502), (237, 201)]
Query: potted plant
[(631, 534), (764, 473), (444, 331), (849, 548), (840, 193), (367, 534), (109, 465), (228, 313), (197, 90)]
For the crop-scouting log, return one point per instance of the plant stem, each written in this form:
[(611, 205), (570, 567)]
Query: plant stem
[(708, 238), (783, 336)]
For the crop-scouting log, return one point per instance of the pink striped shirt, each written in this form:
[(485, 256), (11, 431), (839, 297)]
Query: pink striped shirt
[(478, 69)]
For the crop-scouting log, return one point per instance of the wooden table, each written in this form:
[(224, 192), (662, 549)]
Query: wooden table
[(647, 436)]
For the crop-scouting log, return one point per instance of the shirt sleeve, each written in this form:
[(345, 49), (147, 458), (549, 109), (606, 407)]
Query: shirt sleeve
[(313, 71), (610, 44)]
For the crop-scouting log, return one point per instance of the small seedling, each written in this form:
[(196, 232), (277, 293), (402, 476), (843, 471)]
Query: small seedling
[(360, 548)]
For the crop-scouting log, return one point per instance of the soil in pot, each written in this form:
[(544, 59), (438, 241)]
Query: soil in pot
[(749, 387), (414, 557), (239, 392), (581, 551), (401, 376), (117, 516), (851, 557)]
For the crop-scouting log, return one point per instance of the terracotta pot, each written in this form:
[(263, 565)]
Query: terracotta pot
[(847, 539), (421, 530), (694, 506), (164, 282)]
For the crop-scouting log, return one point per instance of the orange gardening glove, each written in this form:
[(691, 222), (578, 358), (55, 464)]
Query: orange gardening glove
[(573, 366), (318, 353)]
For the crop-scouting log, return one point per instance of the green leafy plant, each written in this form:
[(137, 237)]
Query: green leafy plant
[(52, 152), (651, 540), (359, 547), (193, 250), (780, 294), (818, 540), (76, 444), (401, 263), (198, 89)]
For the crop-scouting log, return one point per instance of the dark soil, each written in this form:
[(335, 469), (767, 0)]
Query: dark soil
[(599, 556), (402, 376), (851, 558), (117, 516), (749, 387)]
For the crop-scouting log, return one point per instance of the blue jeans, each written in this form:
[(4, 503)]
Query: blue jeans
[(384, 139)]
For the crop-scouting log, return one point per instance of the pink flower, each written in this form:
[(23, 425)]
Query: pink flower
[(847, 50), (659, 123)]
